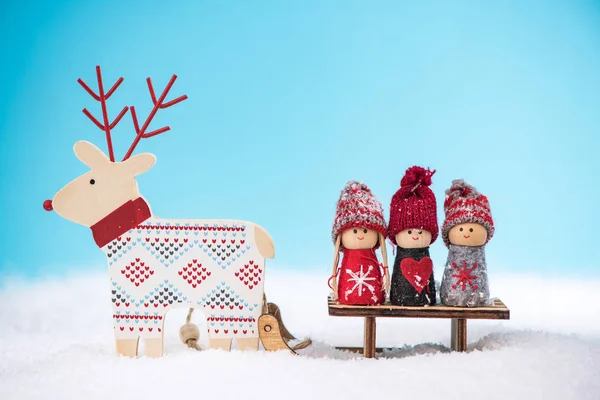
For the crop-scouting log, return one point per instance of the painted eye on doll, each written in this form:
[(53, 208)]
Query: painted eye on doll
[(420, 232), (92, 181), (364, 231), (470, 229), (461, 229), (355, 231), (409, 232)]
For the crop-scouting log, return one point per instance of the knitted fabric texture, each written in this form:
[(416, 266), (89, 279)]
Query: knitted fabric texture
[(418, 288), (465, 280), (413, 206), (124, 218), (358, 207), (464, 204), (361, 280)]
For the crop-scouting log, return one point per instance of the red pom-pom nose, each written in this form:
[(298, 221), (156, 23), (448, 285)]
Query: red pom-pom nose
[(48, 205)]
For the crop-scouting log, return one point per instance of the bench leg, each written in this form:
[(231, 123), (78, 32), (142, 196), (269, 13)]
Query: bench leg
[(370, 335), (459, 334)]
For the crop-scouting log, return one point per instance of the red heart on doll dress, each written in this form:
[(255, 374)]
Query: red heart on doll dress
[(417, 273)]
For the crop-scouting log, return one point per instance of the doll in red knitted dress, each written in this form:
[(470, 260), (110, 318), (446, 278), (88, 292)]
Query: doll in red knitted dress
[(358, 230)]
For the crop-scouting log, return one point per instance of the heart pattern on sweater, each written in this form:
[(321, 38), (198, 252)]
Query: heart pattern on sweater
[(417, 273), (223, 298), (194, 273), (137, 271), (249, 274), (167, 250), (224, 251), (196, 258), (118, 248)]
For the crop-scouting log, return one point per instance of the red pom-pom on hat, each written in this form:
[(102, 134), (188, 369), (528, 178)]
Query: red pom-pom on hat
[(415, 176)]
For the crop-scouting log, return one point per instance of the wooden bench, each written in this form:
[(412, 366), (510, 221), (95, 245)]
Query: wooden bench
[(458, 315)]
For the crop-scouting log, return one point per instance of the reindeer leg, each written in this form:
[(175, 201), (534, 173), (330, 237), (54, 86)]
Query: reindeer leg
[(127, 347), (154, 346), (154, 341), (221, 343)]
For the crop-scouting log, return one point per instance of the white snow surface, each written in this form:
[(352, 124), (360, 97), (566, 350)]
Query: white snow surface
[(56, 343)]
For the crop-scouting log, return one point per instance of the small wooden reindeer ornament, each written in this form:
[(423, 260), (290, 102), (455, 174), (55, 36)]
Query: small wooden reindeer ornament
[(358, 230), (413, 228), (156, 264), (467, 228)]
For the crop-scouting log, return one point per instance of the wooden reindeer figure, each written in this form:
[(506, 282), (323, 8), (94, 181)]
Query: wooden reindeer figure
[(467, 228), (358, 230), (156, 264), (413, 228)]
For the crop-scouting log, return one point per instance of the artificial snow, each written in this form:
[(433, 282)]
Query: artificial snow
[(56, 343)]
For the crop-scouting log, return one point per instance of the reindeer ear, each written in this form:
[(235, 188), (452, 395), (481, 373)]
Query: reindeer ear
[(140, 163), (90, 155)]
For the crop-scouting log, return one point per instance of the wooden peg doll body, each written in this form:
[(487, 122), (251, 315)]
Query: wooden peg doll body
[(467, 229), (357, 232), (412, 228)]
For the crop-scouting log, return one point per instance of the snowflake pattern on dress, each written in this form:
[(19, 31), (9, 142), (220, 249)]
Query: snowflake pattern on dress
[(361, 281), (464, 276), (465, 281)]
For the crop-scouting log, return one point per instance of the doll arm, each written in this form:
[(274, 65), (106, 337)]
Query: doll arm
[(336, 259), (385, 265)]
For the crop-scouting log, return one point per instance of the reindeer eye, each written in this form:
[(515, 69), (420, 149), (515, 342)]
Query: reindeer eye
[(92, 181)]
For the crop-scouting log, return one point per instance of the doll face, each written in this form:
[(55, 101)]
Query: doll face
[(468, 235), (359, 238), (413, 238)]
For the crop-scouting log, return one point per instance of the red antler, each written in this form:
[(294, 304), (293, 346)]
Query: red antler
[(102, 97), (157, 104)]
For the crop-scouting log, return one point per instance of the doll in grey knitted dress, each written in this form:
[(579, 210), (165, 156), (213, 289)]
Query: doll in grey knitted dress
[(467, 228)]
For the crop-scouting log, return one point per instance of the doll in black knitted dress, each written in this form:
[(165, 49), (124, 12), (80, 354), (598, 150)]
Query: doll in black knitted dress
[(413, 228)]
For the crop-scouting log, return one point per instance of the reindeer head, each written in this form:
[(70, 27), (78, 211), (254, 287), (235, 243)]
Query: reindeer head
[(109, 184)]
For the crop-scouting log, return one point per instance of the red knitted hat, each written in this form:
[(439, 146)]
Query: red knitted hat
[(414, 205), (464, 204), (357, 207)]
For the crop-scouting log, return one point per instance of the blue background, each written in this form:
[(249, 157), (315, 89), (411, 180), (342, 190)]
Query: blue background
[(290, 99)]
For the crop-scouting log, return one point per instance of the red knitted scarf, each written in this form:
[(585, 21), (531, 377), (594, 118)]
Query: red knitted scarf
[(124, 218)]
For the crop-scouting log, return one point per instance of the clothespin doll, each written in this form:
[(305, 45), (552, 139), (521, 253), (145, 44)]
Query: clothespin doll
[(467, 228), (358, 230), (413, 228)]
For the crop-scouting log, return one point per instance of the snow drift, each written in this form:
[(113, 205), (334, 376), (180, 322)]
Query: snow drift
[(56, 343)]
